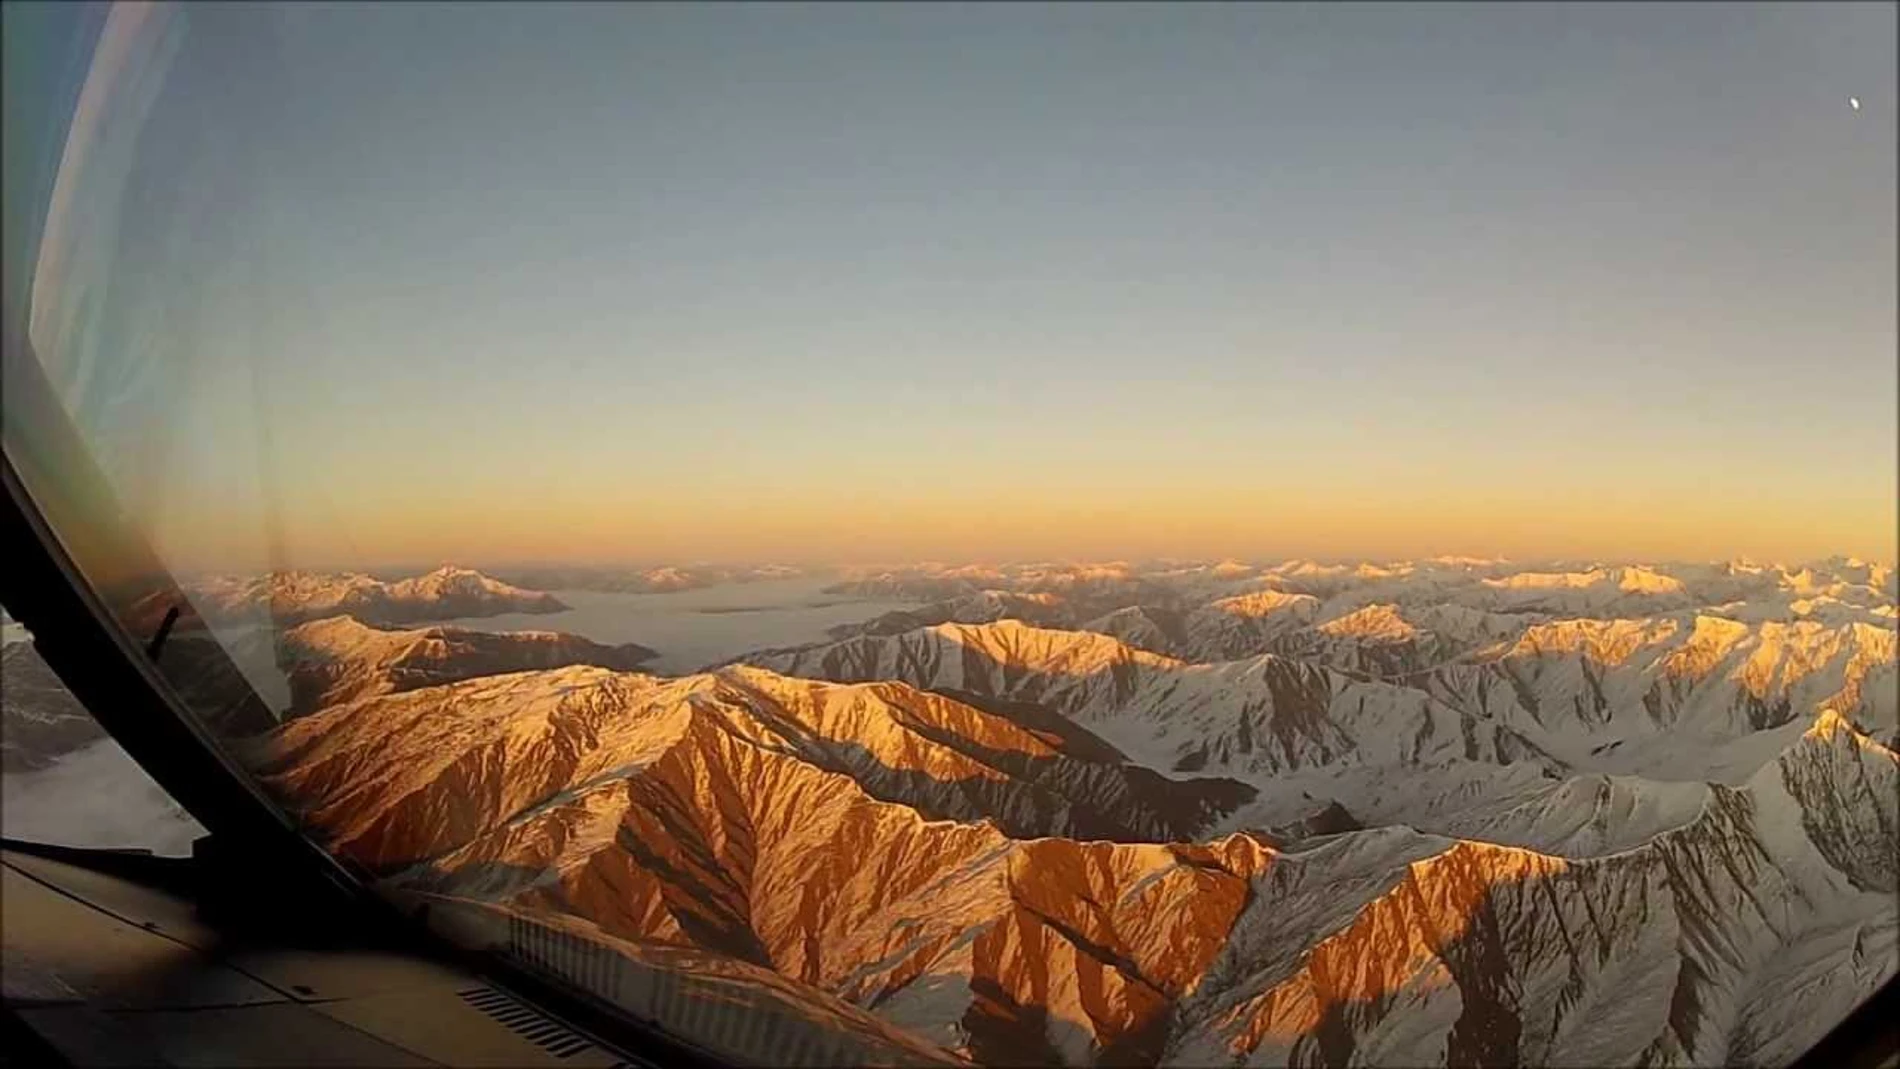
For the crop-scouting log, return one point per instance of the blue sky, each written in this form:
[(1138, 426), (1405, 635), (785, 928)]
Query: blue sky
[(659, 282)]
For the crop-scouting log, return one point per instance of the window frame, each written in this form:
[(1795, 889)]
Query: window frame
[(114, 676)]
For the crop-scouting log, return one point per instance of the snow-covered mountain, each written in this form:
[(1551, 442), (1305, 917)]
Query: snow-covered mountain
[(1735, 938), (490, 748), (1604, 693), (1078, 591), (1549, 588), (40, 720), (1389, 641), (1259, 716), (1242, 625), (337, 659), (288, 597), (978, 608), (1448, 811), (1574, 689), (64, 781), (736, 813), (657, 580)]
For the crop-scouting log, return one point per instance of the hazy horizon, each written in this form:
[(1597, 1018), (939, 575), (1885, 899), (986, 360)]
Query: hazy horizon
[(768, 282), (819, 567)]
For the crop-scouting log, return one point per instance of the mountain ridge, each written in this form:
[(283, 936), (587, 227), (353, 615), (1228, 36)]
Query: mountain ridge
[(1433, 812), (889, 919)]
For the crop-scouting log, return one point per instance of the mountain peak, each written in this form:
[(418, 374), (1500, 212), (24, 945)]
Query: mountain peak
[(1028, 644), (1638, 579), (1831, 726), (1378, 622), (1603, 641), (1260, 603)]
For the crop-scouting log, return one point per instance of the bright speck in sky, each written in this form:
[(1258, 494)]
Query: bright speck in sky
[(1853, 102)]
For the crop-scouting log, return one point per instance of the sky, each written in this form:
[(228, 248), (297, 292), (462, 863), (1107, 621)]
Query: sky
[(347, 284)]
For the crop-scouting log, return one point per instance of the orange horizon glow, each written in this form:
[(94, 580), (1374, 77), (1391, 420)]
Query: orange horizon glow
[(1263, 343), (1029, 526)]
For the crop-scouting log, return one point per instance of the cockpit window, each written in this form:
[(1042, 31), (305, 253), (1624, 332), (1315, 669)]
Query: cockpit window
[(1059, 534)]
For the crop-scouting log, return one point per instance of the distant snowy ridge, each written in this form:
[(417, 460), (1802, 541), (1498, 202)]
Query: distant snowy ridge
[(290, 597)]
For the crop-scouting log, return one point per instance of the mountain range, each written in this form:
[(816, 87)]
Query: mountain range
[(288, 597), (1440, 812), (339, 658), (1001, 905), (1432, 812), (657, 580)]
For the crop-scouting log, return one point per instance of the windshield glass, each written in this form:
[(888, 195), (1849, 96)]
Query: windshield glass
[(62, 779), (1062, 534)]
